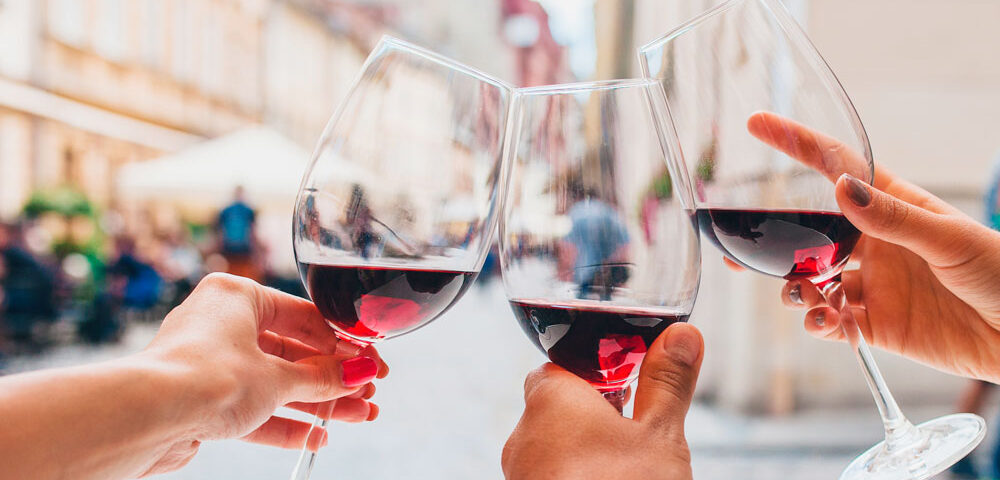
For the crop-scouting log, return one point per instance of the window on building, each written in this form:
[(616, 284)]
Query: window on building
[(110, 34), (67, 21), (151, 37)]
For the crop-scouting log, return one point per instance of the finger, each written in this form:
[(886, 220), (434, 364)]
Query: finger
[(322, 378), (853, 288), (732, 265), (823, 323), (667, 378), (801, 294), (287, 433), (347, 409), (298, 318), (288, 348), (551, 386), (818, 151), (941, 240), (371, 352)]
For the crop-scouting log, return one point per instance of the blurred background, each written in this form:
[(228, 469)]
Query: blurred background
[(135, 135)]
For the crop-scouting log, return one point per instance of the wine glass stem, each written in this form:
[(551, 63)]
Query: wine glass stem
[(898, 430), (307, 458), (616, 398)]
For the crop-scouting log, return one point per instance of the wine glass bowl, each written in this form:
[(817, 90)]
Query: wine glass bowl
[(766, 131), (397, 210), (598, 246)]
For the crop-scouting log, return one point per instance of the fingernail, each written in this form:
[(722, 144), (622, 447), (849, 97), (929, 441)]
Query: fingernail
[(347, 348), (683, 345), (795, 294), (358, 371), (820, 319), (858, 191), (372, 412)]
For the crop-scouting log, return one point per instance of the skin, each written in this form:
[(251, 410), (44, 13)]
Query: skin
[(220, 365), (927, 285), (569, 431)]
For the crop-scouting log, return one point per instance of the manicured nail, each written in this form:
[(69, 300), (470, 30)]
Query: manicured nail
[(358, 371), (795, 294), (683, 345), (820, 319), (858, 191), (372, 412)]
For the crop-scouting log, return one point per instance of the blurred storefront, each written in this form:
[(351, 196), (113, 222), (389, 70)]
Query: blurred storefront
[(87, 86)]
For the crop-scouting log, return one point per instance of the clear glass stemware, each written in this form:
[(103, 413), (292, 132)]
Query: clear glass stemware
[(598, 245), (397, 210), (746, 69)]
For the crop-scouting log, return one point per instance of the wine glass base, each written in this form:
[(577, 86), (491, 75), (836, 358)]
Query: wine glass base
[(939, 444)]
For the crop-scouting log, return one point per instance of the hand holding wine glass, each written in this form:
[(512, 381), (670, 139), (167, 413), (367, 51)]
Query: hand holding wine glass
[(601, 444), (779, 212), (221, 364), (926, 288), (599, 250)]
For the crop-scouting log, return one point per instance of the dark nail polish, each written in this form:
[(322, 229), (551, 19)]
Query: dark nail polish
[(358, 371), (820, 319), (858, 191), (795, 294)]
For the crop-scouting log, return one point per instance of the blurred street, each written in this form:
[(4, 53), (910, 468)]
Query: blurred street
[(454, 395)]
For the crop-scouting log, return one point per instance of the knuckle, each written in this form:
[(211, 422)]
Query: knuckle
[(675, 380), (225, 281), (896, 213)]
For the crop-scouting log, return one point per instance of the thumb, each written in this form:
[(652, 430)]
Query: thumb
[(942, 240), (667, 378)]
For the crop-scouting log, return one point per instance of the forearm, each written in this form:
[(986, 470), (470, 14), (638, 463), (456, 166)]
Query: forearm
[(104, 421)]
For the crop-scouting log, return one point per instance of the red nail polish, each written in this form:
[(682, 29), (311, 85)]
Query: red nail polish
[(358, 371)]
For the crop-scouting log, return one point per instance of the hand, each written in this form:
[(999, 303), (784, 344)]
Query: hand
[(927, 286), (569, 431), (250, 349)]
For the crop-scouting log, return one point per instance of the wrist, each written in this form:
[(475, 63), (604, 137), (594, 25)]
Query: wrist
[(187, 397)]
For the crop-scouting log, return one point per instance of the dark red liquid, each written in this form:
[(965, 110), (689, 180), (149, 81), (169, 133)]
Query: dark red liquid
[(370, 303), (603, 345), (789, 244)]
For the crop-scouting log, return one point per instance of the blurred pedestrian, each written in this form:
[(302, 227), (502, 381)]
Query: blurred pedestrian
[(237, 239), (28, 288), (138, 284)]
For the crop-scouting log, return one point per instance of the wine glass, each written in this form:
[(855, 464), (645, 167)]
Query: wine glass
[(598, 246), (743, 70), (397, 210)]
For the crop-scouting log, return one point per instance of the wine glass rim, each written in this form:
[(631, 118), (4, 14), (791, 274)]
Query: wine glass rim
[(446, 61), (562, 88), (682, 28)]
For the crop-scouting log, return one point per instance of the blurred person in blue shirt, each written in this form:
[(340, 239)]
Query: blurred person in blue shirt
[(238, 243), (598, 239)]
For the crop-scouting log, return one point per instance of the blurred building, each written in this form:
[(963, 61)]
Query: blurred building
[(89, 85)]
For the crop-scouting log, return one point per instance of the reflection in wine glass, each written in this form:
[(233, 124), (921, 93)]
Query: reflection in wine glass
[(396, 212), (734, 79)]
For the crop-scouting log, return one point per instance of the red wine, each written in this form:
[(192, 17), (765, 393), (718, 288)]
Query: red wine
[(784, 243), (603, 345), (371, 303)]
